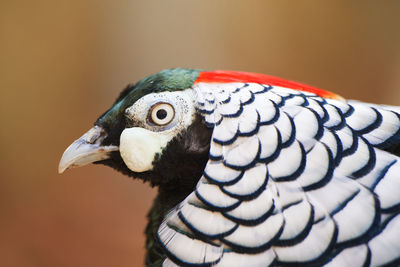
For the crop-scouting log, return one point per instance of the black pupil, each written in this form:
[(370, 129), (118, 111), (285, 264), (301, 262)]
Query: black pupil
[(161, 114)]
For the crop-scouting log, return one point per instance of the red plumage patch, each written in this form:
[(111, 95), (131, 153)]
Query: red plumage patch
[(221, 76)]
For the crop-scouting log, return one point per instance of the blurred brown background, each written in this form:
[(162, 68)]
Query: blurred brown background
[(62, 63)]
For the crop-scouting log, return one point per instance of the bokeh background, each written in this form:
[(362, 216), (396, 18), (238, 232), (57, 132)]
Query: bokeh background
[(62, 63)]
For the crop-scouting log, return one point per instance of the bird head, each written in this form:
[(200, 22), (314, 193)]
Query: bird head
[(152, 132)]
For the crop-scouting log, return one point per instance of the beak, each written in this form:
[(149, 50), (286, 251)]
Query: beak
[(86, 149)]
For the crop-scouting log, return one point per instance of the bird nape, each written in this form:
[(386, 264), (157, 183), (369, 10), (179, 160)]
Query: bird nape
[(253, 170)]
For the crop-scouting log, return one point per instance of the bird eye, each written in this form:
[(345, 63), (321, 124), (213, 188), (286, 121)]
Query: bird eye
[(162, 114)]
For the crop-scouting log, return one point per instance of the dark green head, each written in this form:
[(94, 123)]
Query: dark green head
[(167, 80), (151, 126)]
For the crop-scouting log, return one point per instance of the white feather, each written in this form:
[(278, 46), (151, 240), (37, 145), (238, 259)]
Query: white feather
[(229, 87), (353, 256), (284, 126), (382, 162), (220, 173), (244, 95), (277, 99), (307, 126), (215, 150), (232, 107), (226, 130), (385, 247), (244, 153), (342, 105), (296, 219), (317, 165), (316, 242), (213, 118), (289, 157), (328, 138), (338, 189), (255, 87), (268, 137), (207, 222), (265, 108), (248, 121), (187, 249), (283, 91), (388, 189), (355, 161), (356, 217), (389, 126), (287, 193), (213, 195), (255, 208), (362, 117), (334, 117), (209, 105), (314, 105), (232, 259), (346, 137), (251, 181), (222, 95), (258, 235), (295, 101)]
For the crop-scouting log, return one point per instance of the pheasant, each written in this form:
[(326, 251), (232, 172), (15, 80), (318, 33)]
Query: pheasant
[(254, 170)]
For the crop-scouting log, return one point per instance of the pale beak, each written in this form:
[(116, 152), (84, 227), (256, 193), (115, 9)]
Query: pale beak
[(86, 149)]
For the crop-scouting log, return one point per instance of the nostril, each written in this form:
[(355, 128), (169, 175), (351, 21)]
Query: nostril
[(95, 135)]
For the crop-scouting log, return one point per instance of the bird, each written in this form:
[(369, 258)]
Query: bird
[(254, 170)]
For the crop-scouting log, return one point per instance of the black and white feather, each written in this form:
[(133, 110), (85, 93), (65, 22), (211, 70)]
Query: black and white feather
[(291, 178)]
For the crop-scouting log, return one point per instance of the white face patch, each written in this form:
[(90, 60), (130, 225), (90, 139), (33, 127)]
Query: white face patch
[(161, 117)]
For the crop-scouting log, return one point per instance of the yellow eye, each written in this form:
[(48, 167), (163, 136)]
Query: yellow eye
[(162, 114)]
